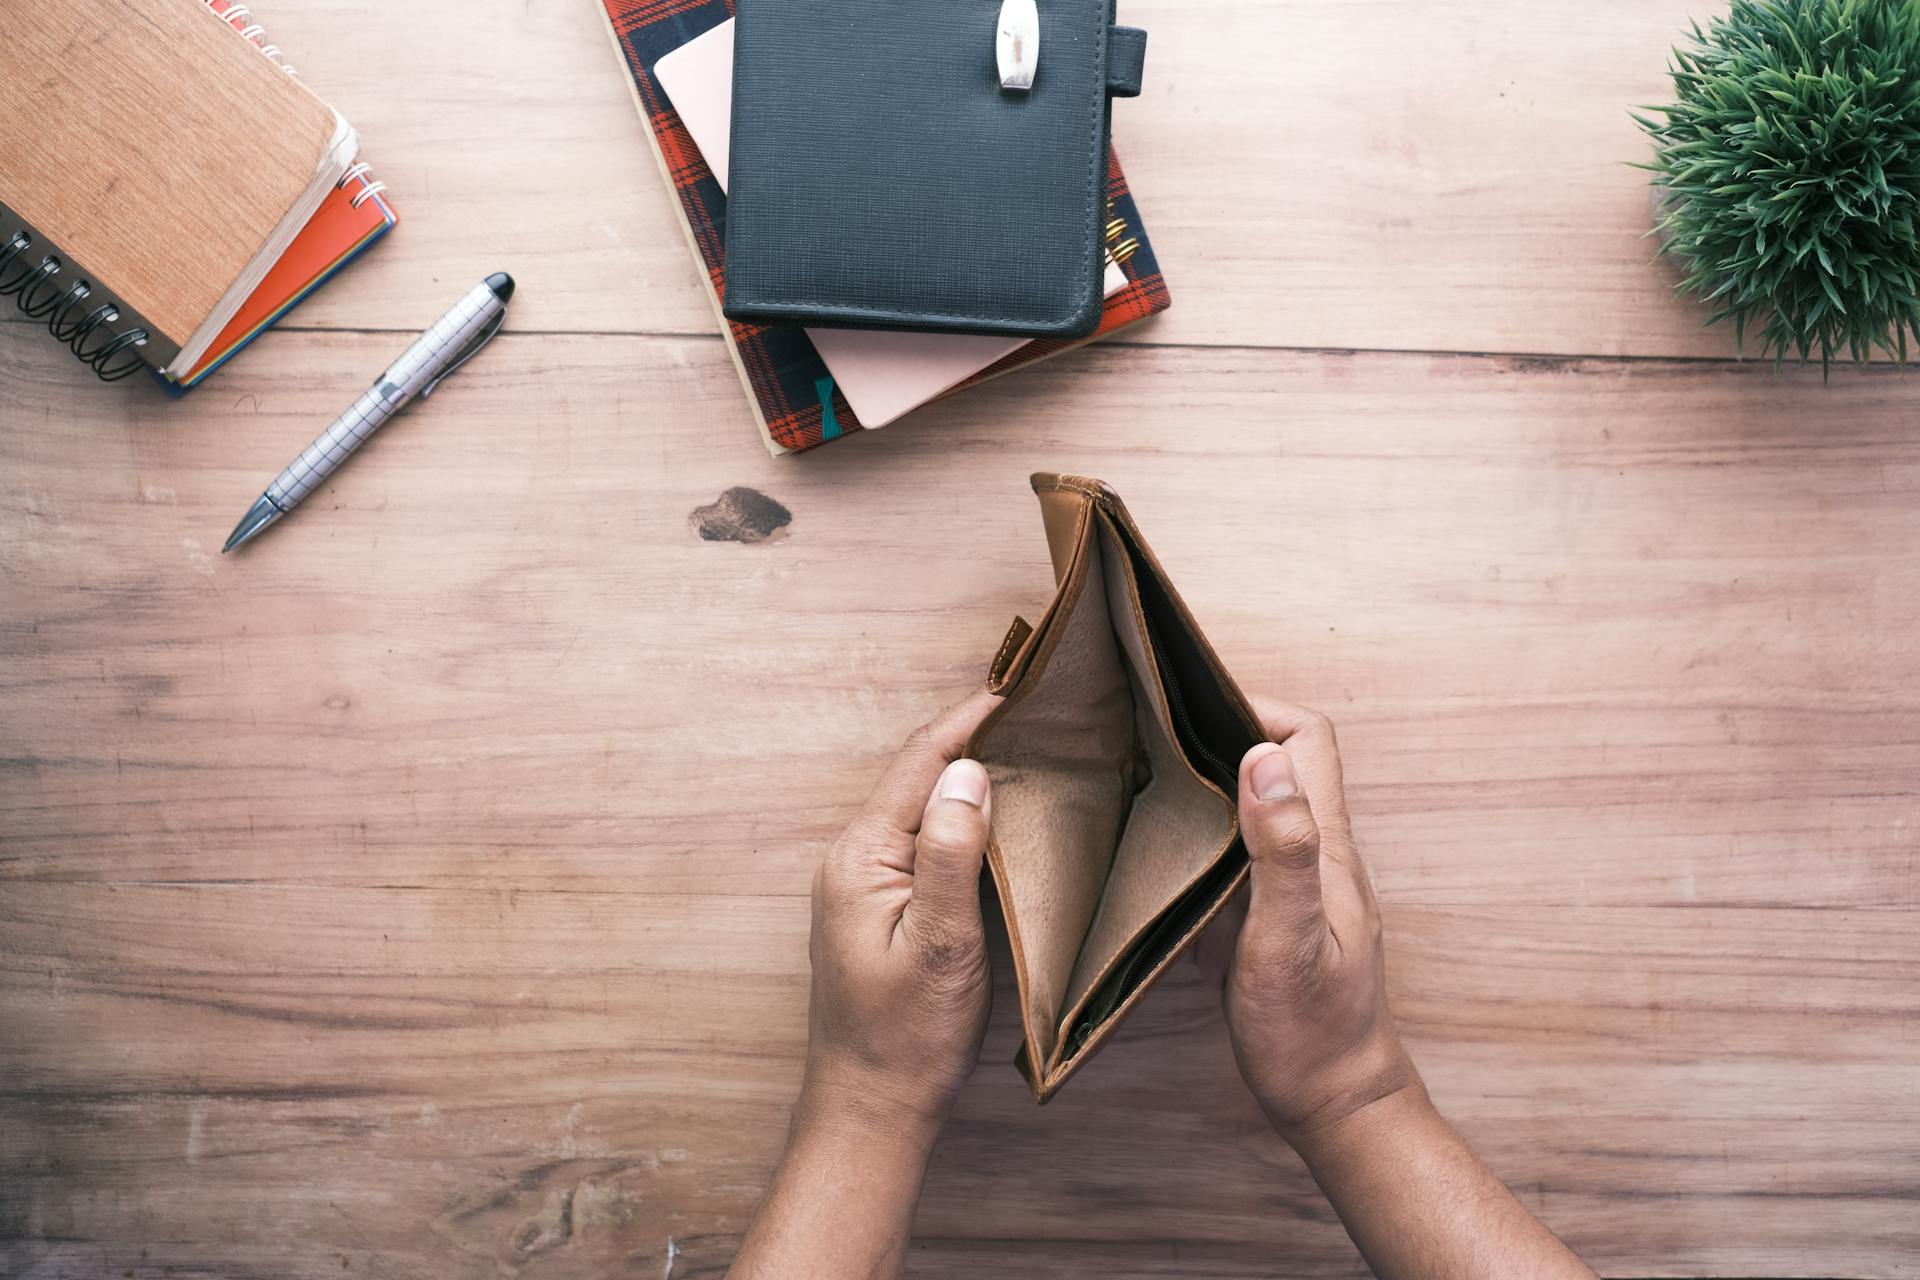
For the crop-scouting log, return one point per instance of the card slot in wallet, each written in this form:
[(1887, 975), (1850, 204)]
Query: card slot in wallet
[(1114, 766), (1159, 945), (1214, 726)]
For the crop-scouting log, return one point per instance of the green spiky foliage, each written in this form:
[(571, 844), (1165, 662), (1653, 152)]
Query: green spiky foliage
[(1790, 163)]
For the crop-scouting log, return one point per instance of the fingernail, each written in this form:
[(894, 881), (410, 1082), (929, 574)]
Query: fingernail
[(964, 780), (1273, 777)]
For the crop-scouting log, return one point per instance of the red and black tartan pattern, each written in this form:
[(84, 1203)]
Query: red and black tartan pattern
[(782, 366)]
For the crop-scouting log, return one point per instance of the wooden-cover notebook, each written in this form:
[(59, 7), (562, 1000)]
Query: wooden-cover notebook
[(156, 166), (353, 216)]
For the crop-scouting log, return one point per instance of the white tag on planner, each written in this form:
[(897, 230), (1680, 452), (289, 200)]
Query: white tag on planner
[(1018, 47)]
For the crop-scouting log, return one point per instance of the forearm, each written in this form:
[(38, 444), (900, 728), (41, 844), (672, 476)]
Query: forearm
[(842, 1200), (1420, 1205)]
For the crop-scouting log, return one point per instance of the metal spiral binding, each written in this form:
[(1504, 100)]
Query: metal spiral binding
[(369, 188), (90, 333), (36, 291), (239, 17)]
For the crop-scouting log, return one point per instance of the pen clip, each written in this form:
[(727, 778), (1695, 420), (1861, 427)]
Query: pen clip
[(480, 340)]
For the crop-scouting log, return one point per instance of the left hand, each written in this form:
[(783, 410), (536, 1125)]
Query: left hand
[(901, 987)]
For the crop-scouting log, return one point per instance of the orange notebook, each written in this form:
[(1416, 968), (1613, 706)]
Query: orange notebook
[(353, 215)]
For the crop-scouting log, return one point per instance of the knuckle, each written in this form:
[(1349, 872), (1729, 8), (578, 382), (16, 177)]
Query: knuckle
[(1288, 720), (1270, 708), (1290, 831), (945, 831), (921, 739)]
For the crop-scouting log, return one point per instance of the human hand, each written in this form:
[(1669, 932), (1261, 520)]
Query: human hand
[(1299, 957), (900, 998), (1304, 985), (901, 987)]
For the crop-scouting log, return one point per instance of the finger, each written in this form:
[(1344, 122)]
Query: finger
[(1284, 719), (1310, 742), (900, 797), (950, 847), (1283, 841)]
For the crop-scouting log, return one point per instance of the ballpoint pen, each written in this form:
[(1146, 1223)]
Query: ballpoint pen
[(453, 340)]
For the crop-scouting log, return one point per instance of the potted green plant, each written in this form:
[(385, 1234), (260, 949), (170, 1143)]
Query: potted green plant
[(1787, 173)]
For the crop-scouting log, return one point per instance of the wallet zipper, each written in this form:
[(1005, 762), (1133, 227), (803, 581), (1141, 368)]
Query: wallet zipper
[(1160, 942), (1120, 985)]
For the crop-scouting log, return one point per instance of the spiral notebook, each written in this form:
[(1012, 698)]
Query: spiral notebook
[(158, 161), (353, 215), (797, 400)]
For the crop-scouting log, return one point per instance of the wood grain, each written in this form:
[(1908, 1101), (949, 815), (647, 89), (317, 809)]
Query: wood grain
[(460, 796), (1315, 173), (167, 239), (1631, 618), (421, 893), (420, 1079)]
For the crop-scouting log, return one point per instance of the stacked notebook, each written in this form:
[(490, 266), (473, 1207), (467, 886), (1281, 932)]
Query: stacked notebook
[(811, 384), (168, 187)]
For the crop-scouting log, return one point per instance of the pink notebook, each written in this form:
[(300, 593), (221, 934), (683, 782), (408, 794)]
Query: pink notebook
[(882, 373)]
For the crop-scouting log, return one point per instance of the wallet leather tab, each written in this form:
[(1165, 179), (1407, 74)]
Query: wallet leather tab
[(881, 177), (1012, 649), (1114, 760)]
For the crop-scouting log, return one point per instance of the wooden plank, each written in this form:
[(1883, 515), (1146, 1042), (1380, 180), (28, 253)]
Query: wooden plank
[(1594, 633), (448, 1081), (1314, 173)]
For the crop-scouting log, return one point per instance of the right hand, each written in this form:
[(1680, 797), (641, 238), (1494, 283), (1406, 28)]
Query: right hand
[(1299, 958)]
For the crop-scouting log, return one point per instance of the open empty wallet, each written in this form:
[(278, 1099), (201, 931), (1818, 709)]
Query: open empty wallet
[(1115, 765)]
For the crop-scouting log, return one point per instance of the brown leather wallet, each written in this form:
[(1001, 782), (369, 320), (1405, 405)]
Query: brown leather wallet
[(1115, 766)]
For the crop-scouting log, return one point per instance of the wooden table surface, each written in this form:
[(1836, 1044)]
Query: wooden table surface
[(422, 893)]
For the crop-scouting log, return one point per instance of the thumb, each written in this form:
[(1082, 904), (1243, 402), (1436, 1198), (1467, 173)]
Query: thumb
[(949, 848), (1283, 841)]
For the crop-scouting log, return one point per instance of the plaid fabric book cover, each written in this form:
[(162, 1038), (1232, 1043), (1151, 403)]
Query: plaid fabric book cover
[(792, 389)]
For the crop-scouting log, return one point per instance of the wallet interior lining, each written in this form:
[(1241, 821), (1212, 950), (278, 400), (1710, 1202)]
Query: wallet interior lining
[(1213, 736), (1178, 820), (1060, 753), (1104, 826)]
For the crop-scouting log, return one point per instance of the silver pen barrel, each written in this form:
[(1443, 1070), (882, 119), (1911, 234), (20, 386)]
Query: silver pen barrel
[(454, 339), (416, 369)]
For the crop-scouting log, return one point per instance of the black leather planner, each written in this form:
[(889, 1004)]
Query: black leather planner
[(882, 177)]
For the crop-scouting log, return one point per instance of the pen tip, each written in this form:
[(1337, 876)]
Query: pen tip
[(262, 513), (502, 285)]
